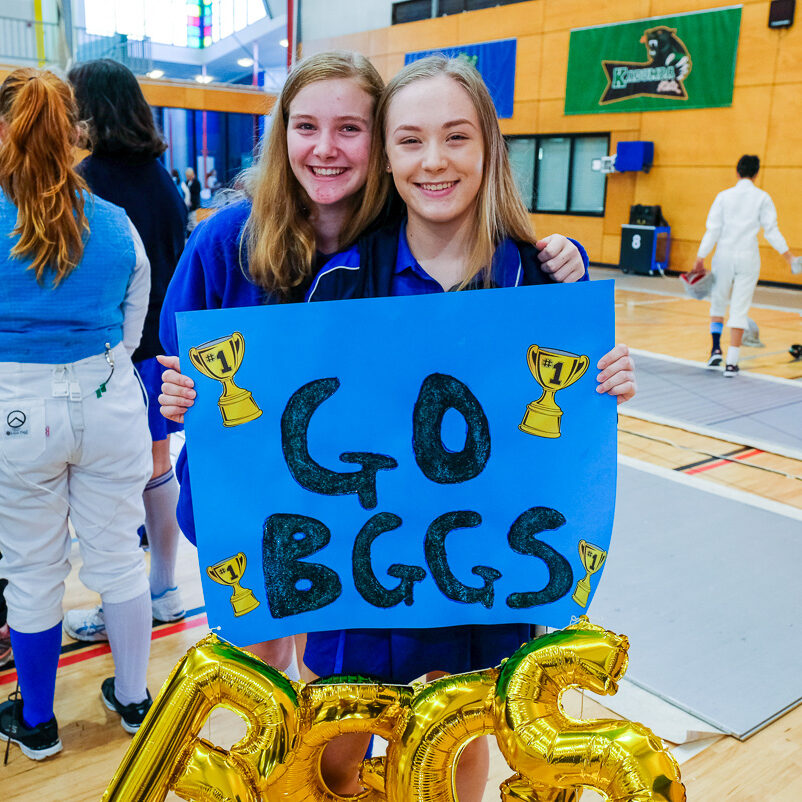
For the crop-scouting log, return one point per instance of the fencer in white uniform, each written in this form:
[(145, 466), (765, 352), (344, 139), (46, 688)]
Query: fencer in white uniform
[(733, 223)]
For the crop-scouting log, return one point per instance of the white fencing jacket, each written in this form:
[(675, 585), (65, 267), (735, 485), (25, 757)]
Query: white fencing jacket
[(736, 216)]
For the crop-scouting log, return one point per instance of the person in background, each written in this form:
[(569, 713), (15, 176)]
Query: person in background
[(211, 181), (194, 188), (124, 169), (183, 189), (736, 216), (75, 281)]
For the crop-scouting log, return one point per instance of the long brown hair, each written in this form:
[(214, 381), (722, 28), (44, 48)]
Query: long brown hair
[(36, 171), (280, 237), (499, 211)]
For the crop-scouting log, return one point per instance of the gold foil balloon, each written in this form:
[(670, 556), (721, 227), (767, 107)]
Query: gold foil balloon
[(332, 709), (167, 752), (445, 715), (549, 750), (426, 726)]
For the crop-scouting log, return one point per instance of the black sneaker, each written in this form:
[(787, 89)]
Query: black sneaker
[(715, 358), (131, 716), (37, 742), (796, 350), (730, 371)]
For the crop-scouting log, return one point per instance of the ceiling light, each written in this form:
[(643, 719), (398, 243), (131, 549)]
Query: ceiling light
[(156, 74), (245, 62), (284, 42), (204, 79)]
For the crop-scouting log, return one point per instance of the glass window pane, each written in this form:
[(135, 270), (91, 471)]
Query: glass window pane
[(522, 162), (587, 187), (553, 157)]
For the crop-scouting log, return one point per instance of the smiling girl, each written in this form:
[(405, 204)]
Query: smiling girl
[(466, 227), (319, 184)]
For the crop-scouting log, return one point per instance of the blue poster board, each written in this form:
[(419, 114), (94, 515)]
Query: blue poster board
[(394, 462), (495, 62)]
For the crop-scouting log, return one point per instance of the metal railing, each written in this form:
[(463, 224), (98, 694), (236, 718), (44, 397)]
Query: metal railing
[(28, 41), (136, 54), (40, 43)]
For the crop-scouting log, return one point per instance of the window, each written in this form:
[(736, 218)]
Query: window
[(554, 173), (166, 21), (411, 10)]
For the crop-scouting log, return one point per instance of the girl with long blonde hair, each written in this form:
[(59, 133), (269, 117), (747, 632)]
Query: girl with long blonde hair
[(465, 227), (75, 284)]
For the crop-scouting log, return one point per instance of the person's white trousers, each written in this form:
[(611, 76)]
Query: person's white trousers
[(67, 450), (735, 276)]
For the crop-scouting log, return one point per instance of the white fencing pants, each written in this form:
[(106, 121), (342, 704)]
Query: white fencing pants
[(67, 449), (735, 276)]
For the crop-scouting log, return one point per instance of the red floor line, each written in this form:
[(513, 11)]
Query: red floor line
[(718, 463), (103, 648)]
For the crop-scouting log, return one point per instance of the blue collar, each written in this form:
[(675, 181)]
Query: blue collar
[(507, 267)]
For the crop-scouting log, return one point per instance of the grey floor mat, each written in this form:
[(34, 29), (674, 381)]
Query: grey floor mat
[(707, 588), (748, 409)]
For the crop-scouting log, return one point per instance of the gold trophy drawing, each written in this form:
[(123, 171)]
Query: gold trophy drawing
[(553, 370), (220, 359), (229, 572), (592, 560)]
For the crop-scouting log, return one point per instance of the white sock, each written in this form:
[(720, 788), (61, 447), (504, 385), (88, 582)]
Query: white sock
[(732, 355), (161, 498), (128, 625)]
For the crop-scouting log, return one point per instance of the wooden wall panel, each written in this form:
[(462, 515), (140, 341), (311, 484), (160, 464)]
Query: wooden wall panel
[(553, 121), (587, 230), (789, 59), (683, 254), (784, 185), (524, 120), (700, 137), (784, 146), (620, 196), (611, 249), (424, 35), (553, 66), (757, 47), (529, 60), (498, 23), (562, 15), (685, 193)]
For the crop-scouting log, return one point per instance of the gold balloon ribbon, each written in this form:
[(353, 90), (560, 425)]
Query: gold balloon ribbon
[(426, 727), (550, 750)]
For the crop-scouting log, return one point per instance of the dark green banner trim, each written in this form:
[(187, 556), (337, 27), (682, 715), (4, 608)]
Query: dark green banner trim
[(686, 61)]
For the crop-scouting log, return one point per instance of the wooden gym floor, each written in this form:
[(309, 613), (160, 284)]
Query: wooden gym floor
[(652, 315)]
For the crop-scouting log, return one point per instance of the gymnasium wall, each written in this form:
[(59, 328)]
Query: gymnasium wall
[(695, 150)]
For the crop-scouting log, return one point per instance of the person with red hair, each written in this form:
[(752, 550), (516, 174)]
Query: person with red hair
[(75, 444)]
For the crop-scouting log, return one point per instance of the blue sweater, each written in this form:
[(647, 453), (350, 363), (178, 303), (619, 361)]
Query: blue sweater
[(209, 275), (150, 198), (46, 324)]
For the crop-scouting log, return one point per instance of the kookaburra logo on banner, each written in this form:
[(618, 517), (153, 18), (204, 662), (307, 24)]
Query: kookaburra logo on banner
[(663, 75)]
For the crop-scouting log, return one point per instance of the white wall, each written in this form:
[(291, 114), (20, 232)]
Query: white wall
[(323, 18)]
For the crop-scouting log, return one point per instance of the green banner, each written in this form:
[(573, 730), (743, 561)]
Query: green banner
[(682, 62)]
